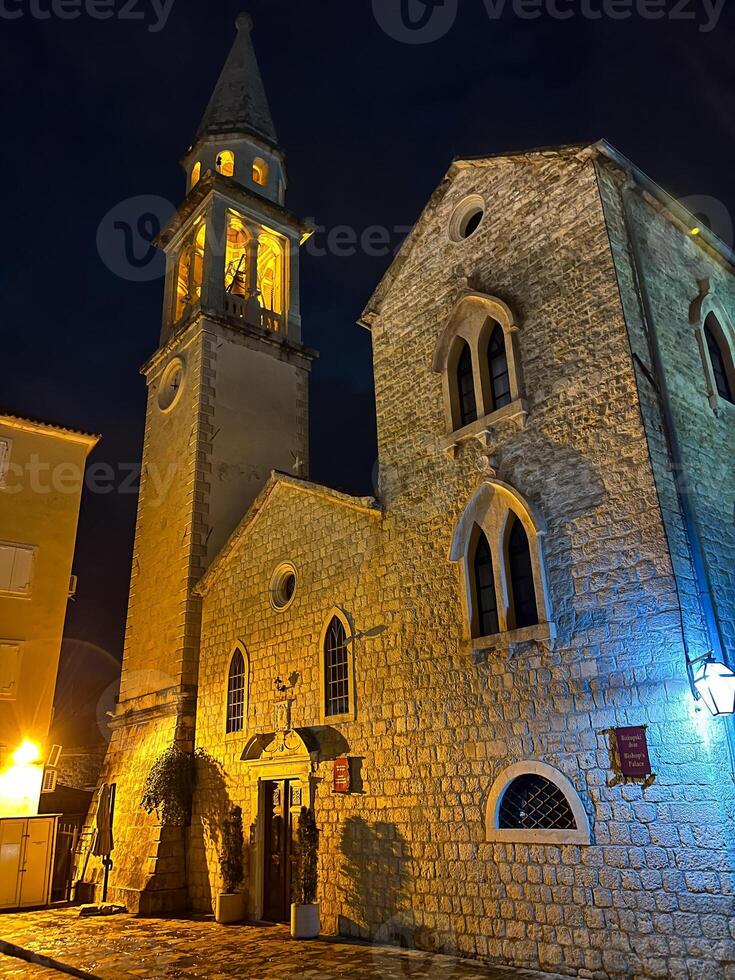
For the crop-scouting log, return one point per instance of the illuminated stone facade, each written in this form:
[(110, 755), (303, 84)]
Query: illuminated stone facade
[(642, 883), (439, 716)]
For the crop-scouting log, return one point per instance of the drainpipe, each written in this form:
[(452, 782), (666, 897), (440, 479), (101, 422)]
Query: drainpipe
[(704, 586)]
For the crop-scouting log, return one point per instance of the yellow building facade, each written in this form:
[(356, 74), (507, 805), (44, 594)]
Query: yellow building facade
[(41, 479)]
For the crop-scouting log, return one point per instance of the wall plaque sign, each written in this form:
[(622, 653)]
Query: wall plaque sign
[(341, 777), (633, 751), (629, 755)]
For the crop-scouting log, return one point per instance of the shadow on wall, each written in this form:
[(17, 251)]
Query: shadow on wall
[(375, 875), (211, 805)]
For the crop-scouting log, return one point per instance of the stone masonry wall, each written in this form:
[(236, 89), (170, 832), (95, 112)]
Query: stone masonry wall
[(436, 722)]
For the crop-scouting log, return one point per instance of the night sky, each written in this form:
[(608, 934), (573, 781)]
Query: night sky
[(97, 112)]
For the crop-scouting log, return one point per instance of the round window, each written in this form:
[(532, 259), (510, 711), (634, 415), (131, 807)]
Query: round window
[(171, 385), (283, 586), (467, 218)]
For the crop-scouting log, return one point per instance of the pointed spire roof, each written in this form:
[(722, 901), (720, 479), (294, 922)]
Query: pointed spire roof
[(239, 103)]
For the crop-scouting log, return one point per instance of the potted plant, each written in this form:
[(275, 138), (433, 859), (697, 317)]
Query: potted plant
[(229, 905), (305, 922)]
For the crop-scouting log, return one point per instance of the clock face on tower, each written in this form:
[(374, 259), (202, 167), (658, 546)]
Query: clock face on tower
[(171, 384)]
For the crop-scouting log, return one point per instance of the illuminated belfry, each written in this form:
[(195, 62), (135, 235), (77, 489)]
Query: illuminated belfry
[(227, 405), (237, 254)]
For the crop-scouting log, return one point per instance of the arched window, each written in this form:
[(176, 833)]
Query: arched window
[(484, 325), (196, 173), (467, 402), (499, 375), (236, 694), (260, 171), (226, 163), (498, 539), (189, 273), (271, 264), (237, 261), (486, 603), (533, 802), (718, 357), (524, 611), (336, 670)]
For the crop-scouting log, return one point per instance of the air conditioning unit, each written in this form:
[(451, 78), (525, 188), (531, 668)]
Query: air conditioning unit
[(72, 586), (53, 757), (49, 780)]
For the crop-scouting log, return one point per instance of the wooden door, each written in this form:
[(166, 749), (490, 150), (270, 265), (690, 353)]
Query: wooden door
[(278, 850)]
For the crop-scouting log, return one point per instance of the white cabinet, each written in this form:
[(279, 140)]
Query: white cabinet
[(27, 847)]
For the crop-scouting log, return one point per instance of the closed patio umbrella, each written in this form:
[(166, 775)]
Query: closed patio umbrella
[(104, 843)]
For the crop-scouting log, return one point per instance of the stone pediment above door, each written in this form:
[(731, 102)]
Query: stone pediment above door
[(318, 744)]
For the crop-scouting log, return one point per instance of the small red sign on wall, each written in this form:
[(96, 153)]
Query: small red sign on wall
[(633, 751), (341, 775)]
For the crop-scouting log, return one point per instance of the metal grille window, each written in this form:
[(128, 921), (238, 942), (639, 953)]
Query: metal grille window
[(717, 357), (336, 670), (523, 592), (485, 597), (498, 366), (236, 694), (532, 802), (466, 387)]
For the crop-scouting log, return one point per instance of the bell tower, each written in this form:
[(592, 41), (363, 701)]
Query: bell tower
[(227, 404)]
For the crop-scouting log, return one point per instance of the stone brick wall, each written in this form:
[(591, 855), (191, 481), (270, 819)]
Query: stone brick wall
[(436, 722), (79, 765)]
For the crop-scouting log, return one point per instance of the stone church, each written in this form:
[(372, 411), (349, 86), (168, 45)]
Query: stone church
[(496, 681)]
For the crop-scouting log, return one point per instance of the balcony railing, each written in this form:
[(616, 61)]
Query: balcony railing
[(242, 309)]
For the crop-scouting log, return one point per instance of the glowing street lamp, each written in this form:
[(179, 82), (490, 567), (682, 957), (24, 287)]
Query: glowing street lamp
[(714, 683), (27, 754)]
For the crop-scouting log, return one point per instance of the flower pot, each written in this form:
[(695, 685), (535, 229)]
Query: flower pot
[(229, 908), (305, 922)]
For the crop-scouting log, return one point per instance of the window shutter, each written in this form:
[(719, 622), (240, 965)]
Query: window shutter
[(20, 581), (4, 457), (7, 554), (9, 670)]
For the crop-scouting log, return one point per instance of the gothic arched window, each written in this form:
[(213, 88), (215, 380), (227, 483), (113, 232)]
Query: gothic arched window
[(236, 694), (718, 357), (466, 399), (196, 173), (336, 670), (499, 375), (523, 607), (486, 621)]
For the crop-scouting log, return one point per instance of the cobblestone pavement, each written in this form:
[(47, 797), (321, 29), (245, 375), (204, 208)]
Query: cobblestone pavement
[(126, 947)]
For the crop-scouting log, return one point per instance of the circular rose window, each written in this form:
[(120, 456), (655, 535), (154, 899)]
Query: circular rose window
[(283, 586)]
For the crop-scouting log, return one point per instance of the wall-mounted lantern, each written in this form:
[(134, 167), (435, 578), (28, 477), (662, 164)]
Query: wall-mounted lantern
[(714, 683)]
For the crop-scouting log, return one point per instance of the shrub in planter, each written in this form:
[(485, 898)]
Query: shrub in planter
[(305, 922), (229, 906)]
